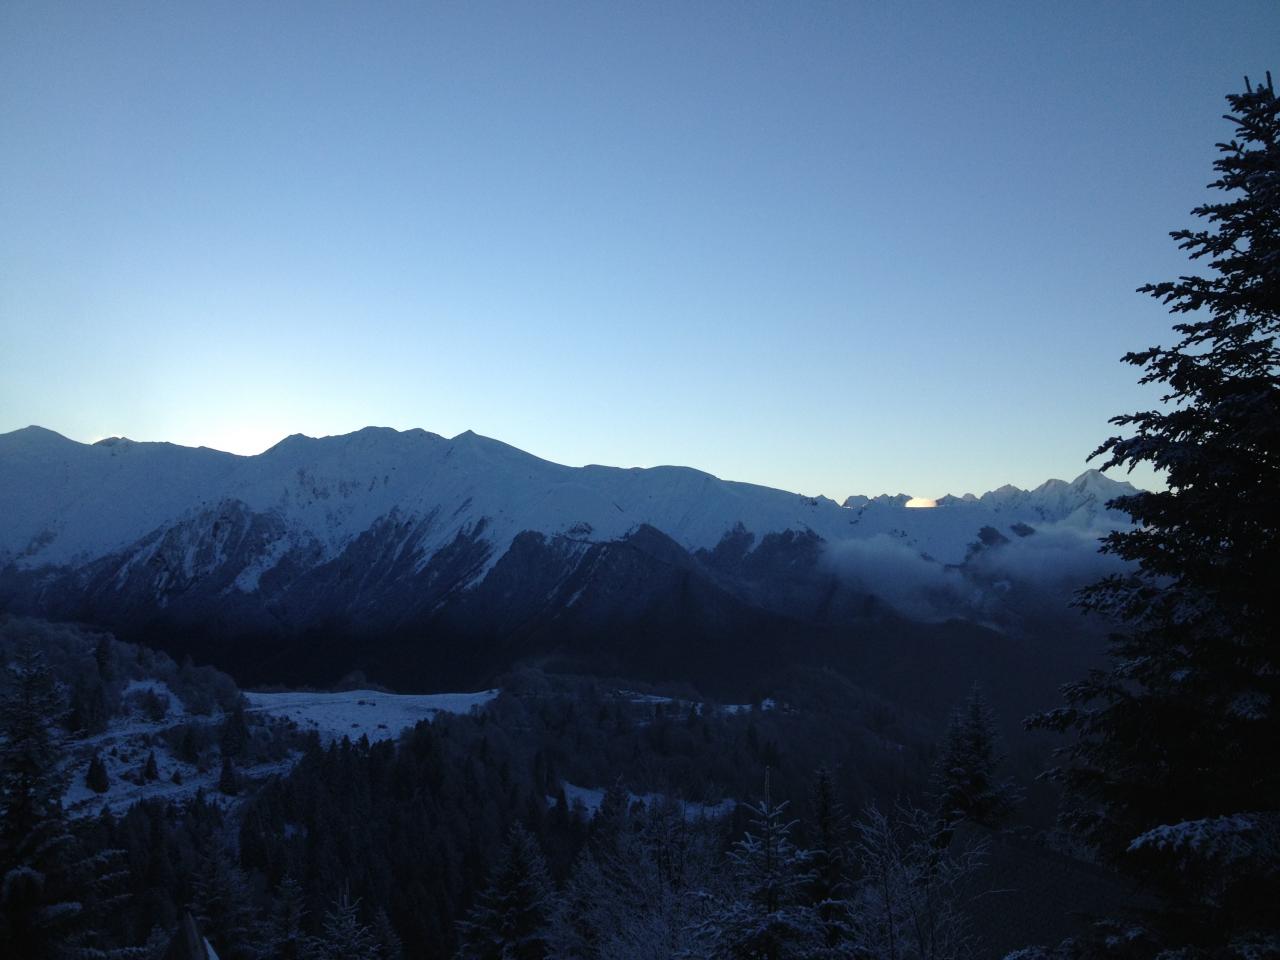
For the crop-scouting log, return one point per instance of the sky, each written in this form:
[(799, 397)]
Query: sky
[(831, 247)]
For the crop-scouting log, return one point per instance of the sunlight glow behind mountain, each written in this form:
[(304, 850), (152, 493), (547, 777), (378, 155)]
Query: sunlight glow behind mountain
[(608, 232)]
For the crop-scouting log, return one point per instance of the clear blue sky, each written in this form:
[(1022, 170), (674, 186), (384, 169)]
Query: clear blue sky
[(832, 247)]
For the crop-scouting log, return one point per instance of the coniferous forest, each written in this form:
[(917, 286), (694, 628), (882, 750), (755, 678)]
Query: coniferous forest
[(150, 808)]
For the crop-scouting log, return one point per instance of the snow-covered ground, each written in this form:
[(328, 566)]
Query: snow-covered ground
[(121, 794), (126, 744), (633, 696), (357, 713), (123, 749)]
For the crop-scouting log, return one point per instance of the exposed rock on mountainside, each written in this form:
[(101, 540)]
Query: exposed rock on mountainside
[(437, 561)]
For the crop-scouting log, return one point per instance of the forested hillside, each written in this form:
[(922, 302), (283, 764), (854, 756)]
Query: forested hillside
[(635, 820)]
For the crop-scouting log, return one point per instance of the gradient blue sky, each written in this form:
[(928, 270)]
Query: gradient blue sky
[(831, 247)]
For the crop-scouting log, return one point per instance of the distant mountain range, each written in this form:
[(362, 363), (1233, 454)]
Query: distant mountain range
[(434, 561)]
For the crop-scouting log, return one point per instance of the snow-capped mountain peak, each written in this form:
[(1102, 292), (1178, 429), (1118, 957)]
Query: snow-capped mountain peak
[(63, 502)]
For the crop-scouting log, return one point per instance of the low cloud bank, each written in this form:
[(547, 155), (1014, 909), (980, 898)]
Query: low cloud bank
[(1052, 556), (1053, 559), (896, 573)]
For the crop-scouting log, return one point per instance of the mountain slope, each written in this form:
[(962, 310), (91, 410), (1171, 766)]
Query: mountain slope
[(437, 561), (66, 502)]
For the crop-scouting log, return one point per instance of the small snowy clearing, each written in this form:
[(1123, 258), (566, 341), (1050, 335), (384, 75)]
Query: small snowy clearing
[(357, 713), (633, 696), (124, 747), (129, 758)]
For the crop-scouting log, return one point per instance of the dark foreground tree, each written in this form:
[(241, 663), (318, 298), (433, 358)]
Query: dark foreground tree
[(96, 779), (966, 780), (1173, 774), (828, 888), (286, 939), (222, 903), (228, 779), (765, 916), (52, 893), (34, 843), (512, 918), (636, 892), (344, 936), (910, 900)]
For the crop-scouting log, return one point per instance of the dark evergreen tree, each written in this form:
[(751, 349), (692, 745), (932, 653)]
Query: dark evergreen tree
[(610, 819), (640, 897), (228, 779), (827, 891), (52, 892), (29, 752), (233, 738), (34, 842), (965, 781), (88, 714), (96, 779), (765, 916), (910, 897), (390, 946), (285, 937), (223, 906), (512, 917), (155, 706), (186, 942), (343, 936), (576, 926), (149, 770), (1173, 772), (104, 659), (189, 745)]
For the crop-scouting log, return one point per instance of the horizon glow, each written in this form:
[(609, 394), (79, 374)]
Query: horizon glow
[(610, 234)]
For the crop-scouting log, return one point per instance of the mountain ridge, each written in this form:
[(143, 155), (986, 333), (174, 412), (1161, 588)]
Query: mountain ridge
[(433, 562), (65, 499)]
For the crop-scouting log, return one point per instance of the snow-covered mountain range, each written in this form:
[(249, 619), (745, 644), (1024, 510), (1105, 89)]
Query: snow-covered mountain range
[(410, 531), (68, 503)]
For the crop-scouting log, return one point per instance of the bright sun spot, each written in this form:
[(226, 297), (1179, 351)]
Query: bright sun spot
[(920, 503)]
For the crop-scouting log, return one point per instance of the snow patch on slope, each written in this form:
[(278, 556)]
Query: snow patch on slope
[(367, 713)]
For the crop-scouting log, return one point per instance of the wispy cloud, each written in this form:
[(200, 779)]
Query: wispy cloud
[(1055, 559), (896, 573)]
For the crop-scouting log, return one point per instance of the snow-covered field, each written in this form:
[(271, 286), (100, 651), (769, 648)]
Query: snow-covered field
[(123, 749), (126, 744), (356, 713)]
